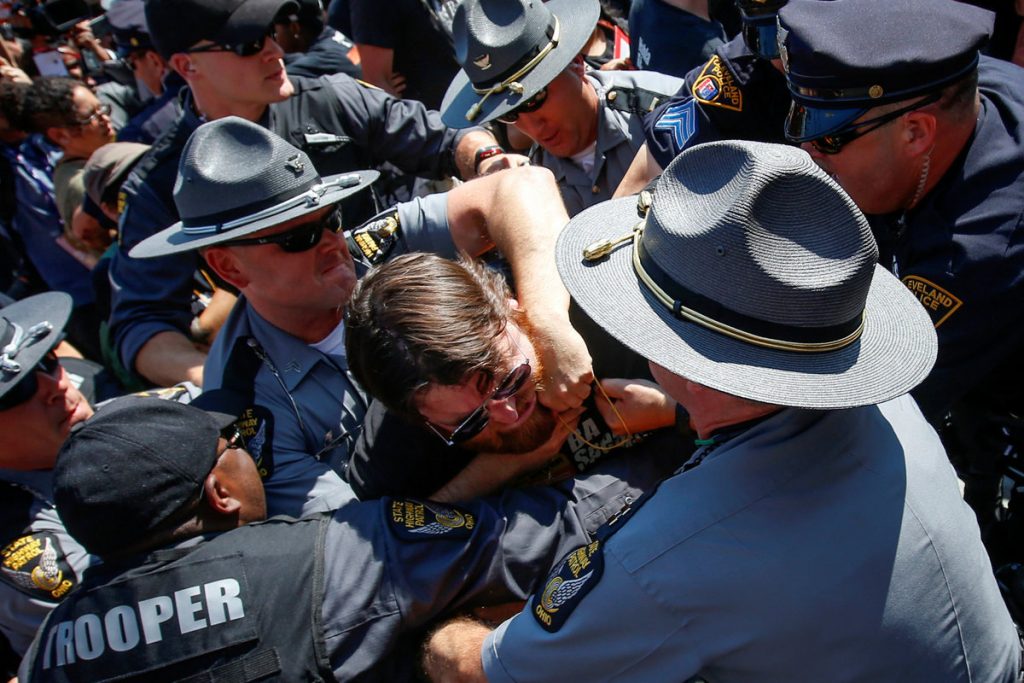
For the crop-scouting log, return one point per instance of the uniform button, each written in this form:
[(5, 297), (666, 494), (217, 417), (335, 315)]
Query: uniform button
[(612, 95), (595, 189)]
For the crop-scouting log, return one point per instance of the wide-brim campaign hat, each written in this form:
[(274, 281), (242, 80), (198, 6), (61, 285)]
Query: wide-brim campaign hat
[(28, 330), (236, 178), (509, 50), (846, 56), (753, 273)]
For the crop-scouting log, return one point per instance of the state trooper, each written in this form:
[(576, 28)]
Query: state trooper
[(268, 223), (159, 325), (740, 93), (196, 586), (817, 533), (923, 133), (39, 561), (521, 66)]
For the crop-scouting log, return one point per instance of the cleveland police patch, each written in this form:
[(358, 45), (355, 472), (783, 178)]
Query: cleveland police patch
[(577, 574), (422, 520), (939, 303), (679, 121), (35, 565), (717, 87), (374, 240)]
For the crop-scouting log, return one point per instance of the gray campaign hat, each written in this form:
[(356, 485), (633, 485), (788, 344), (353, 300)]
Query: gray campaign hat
[(236, 178), (28, 330), (509, 50), (753, 273)]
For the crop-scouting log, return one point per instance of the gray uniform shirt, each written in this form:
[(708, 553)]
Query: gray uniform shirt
[(619, 136), (308, 409), (814, 546)]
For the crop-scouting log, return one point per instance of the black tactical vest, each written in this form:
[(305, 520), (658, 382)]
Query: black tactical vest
[(243, 606)]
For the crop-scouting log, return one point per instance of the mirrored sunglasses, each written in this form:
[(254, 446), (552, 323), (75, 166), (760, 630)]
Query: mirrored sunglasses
[(476, 421), (243, 49)]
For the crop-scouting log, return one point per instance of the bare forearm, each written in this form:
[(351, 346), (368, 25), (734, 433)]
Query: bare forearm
[(465, 151), (641, 172), (484, 474), (452, 652), (169, 358)]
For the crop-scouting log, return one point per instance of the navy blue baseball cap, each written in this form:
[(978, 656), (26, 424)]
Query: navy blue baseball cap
[(846, 56), (128, 24)]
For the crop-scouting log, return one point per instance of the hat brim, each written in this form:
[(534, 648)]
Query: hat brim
[(251, 20), (174, 240), (577, 20), (894, 353), (51, 307)]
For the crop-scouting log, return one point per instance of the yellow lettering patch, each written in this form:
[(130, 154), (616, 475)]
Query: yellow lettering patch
[(416, 519), (35, 564), (717, 86), (939, 303), (568, 583)]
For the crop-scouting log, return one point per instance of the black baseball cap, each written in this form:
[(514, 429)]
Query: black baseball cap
[(176, 25), (125, 471)]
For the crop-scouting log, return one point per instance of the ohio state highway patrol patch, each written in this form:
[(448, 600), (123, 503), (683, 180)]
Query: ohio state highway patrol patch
[(374, 240), (577, 574), (417, 520), (35, 565)]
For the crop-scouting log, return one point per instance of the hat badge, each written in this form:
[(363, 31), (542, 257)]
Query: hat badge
[(876, 91), (483, 62), (295, 165)]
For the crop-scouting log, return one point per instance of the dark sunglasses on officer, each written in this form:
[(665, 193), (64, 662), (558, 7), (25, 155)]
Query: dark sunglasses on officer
[(29, 384), (301, 238)]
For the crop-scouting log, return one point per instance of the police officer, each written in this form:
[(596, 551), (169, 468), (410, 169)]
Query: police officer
[(267, 222), (39, 562), (135, 48), (194, 585), (311, 47), (740, 93), (221, 49), (923, 133), (817, 533), (587, 126)]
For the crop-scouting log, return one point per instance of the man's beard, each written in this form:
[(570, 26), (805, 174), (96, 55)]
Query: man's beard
[(538, 427)]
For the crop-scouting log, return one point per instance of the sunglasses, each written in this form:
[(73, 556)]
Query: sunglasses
[(243, 49), (100, 110), (527, 107), (27, 387), (300, 238), (478, 419), (833, 143)]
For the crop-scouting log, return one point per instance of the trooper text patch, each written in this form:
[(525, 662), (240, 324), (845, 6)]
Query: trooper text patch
[(420, 520), (35, 565), (577, 574), (717, 86), (939, 303)]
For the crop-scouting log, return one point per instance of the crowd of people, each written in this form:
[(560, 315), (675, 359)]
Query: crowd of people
[(441, 339)]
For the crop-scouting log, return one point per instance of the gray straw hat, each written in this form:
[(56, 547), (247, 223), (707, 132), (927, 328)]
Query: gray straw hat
[(236, 178), (28, 330), (753, 274), (509, 50)]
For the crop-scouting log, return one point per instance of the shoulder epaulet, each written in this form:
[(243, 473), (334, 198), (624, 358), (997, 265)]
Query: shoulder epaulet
[(633, 100)]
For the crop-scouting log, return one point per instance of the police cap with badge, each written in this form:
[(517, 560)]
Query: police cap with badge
[(236, 178), (29, 329), (837, 70), (509, 51), (128, 24)]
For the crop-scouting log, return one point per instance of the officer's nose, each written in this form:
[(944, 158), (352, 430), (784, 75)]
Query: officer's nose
[(53, 387), (271, 50)]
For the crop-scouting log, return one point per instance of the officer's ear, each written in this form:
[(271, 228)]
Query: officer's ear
[(182, 63), (58, 136), (225, 263), (218, 495), (919, 132)]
